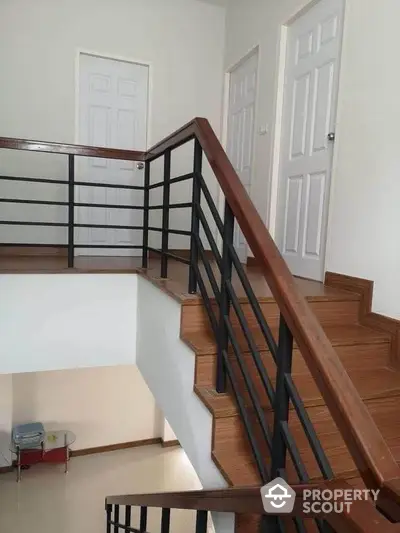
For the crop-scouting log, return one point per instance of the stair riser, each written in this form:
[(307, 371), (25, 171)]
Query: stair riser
[(233, 452), (195, 319), (365, 356)]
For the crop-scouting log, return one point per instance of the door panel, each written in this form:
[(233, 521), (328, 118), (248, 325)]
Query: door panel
[(113, 113), (310, 100), (241, 125)]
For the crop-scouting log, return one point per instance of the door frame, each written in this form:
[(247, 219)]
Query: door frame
[(225, 116), (149, 110), (273, 213)]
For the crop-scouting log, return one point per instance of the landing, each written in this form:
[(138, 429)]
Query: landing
[(53, 264), (177, 282), (175, 285)]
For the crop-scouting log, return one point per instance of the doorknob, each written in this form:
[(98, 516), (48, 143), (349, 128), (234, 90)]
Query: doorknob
[(140, 165), (331, 136)]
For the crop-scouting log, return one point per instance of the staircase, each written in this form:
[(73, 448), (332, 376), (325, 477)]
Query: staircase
[(364, 351), (300, 378)]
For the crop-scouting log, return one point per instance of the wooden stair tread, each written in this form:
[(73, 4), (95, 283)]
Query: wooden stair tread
[(203, 343), (176, 285), (371, 384)]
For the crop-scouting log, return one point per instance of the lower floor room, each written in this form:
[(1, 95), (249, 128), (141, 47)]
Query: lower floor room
[(47, 500)]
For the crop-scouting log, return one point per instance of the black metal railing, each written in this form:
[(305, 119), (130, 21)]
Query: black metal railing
[(117, 521), (71, 205), (266, 402), (241, 368)]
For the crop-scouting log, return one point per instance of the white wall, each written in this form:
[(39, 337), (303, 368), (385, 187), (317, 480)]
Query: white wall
[(167, 366), (51, 322), (365, 209), (364, 214), (182, 40), (102, 406)]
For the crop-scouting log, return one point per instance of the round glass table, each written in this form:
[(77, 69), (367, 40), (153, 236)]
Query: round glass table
[(53, 449)]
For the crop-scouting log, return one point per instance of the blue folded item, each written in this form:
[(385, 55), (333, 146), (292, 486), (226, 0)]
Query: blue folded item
[(28, 435)]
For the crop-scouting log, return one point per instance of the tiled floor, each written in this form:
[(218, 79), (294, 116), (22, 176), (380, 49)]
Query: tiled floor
[(46, 500)]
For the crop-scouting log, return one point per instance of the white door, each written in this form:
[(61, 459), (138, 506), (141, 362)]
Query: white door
[(241, 123), (310, 101), (113, 98)]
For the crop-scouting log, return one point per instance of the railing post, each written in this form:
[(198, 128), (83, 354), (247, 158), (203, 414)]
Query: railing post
[(128, 517), (146, 203), (201, 521), (224, 305), (165, 520), (165, 214), (116, 518), (196, 194), (282, 399), (143, 519), (71, 201), (108, 517)]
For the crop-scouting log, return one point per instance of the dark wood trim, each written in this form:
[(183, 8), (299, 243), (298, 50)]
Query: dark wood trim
[(362, 516), (365, 289), (17, 251), (365, 442), (70, 149), (114, 447), (170, 443)]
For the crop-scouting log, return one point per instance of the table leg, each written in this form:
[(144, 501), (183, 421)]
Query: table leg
[(18, 464), (66, 453)]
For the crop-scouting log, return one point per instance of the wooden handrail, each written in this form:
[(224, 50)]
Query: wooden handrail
[(369, 450), (366, 444), (70, 149), (362, 516)]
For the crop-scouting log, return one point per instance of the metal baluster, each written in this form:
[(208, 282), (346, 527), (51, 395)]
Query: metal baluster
[(165, 520), (128, 516), (71, 201), (108, 518), (146, 211), (116, 518), (143, 519), (196, 194), (201, 522), (165, 214), (282, 399), (224, 307)]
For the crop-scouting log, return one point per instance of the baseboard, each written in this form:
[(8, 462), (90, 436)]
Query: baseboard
[(24, 251), (6, 469), (115, 447), (108, 448), (169, 443), (365, 289)]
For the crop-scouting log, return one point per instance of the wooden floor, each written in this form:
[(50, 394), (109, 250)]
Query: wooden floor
[(176, 285), (52, 264)]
